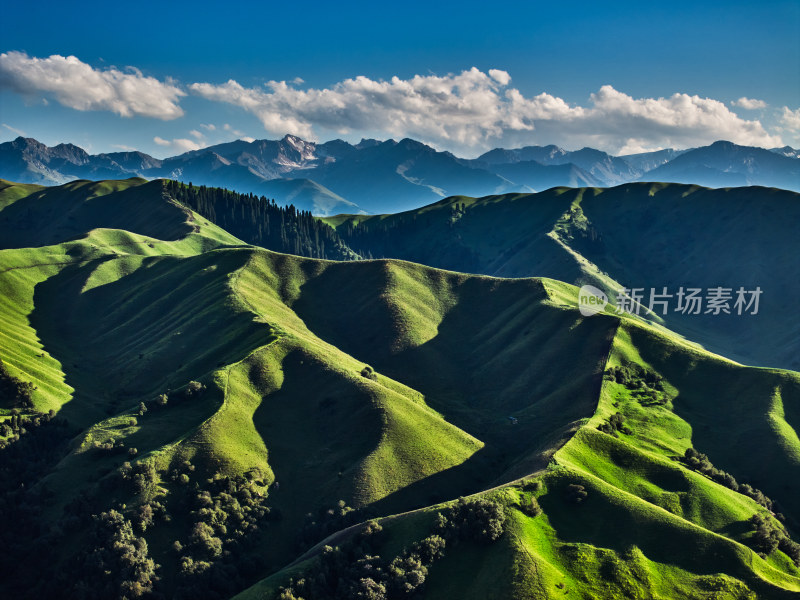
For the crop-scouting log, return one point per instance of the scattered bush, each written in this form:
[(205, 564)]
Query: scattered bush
[(766, 537), (531, 507), (326, 521), (369, 373), (119, 565), (354, 571), (13, 391), (226, 518), (575, 494), (194, 389), (480, 520), (635, 376), (613, 424), (647, 386), (700, 462)]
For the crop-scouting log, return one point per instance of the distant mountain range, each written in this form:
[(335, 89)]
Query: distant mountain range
[(389, 176)]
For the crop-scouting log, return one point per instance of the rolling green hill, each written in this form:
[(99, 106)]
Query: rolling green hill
[(206, 413), (640, 235)]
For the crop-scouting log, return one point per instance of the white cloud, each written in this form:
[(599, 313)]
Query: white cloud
[(247, 138), (14, 130), (790, 119), (472, 111), (179, 144), (196, 134), (749, 103), (123, 147), (501, 77), (208, 126), (77, 85)]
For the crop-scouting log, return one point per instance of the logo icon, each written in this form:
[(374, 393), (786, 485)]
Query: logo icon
[(591, 300)]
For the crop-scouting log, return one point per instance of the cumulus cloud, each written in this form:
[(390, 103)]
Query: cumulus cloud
[(790, 119), (472, 110), (749, 103), (179, 144), (78, 85)]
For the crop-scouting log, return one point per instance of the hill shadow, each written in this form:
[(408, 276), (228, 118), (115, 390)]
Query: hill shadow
[(499, 355)]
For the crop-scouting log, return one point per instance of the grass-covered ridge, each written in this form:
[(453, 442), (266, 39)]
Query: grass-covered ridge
[(637, 235), (211, 407)]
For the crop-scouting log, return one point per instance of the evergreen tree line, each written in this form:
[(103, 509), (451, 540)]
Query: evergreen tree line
[(260, 221)]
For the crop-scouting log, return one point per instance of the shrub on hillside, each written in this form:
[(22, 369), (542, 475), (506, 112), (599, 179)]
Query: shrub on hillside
[(119, 565), (353, 570), (480, 520), (369, 373), (613, 424), (700, 462), (531, 507), (768, 537), (13, 391), (575, 494), (194, 389)]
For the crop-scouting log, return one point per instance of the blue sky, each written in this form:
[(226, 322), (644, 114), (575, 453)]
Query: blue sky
[(619, 76)]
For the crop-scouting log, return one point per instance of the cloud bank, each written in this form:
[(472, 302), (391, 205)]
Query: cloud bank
[(77, 85), (465, 112), (790, 119), (473, 110)]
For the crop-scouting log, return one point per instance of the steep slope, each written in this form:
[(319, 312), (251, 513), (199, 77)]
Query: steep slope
[(219, 409), (106, 323), (645, 524), (646, 236)]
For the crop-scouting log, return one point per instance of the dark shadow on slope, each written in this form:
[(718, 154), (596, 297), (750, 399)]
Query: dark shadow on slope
[(318, 426), (503, 366), (62, 213), (606, 522), (165, 322), (728, 407)]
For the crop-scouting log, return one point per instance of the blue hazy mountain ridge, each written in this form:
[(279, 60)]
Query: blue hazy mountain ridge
[(388, 176)]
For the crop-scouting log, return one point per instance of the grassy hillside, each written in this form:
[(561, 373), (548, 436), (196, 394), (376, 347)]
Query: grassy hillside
[(640, 235), (205, 413), (649, 526)]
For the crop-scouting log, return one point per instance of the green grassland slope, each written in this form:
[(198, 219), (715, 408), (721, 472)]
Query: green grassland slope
[(649, 526), (181, 362), (639, 235)]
